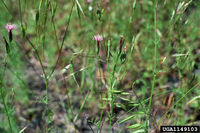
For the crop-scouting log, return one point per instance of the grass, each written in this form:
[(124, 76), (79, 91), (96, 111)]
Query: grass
[(3, 94), (142, 75), (154, 66)]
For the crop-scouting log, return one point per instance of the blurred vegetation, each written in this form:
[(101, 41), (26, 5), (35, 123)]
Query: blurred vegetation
[(55, 81)]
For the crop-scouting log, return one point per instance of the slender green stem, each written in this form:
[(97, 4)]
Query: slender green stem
[(6, 110), (154, 68), (3, 95), (44, 25), (69, 101), (108, 55), (45, 77), (111, 92), (6, 7), (20, 11), (21, 19), (100, 121), (54, 28), (63, 40), (42, 66), (5, 107)]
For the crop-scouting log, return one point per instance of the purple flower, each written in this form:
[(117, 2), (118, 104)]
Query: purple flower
[(98, 38), (121, 39), (10, 27), (120, 44), (89, 1)]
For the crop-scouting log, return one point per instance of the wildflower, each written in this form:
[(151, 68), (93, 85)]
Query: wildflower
[(120, 44), (98, 38), (121, 39), (89, 1), (10, 27)]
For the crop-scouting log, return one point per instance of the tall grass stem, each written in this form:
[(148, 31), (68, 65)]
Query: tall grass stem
[(154, 68)]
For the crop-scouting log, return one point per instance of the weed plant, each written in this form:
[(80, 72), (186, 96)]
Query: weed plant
[(99, 66)]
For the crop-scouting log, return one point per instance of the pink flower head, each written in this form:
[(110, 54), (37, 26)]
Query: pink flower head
[(121, 39), (120, 44), (10, 27), (98, 38), (89, 1)]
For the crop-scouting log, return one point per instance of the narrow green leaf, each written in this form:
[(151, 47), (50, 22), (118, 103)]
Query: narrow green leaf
[(106, 99), (79, 6), (119, 105), (134, 104), (108, 43), (139, 131), (54, 10), (135, 126), (128, 118), (21, 131), (40, 5), (125, 99), (37, 17), (125, 93), (178, 55), (78, 12), (193, 99), (139, 113), (130, 19), (134, 3), (117, 91), (86, 97)]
